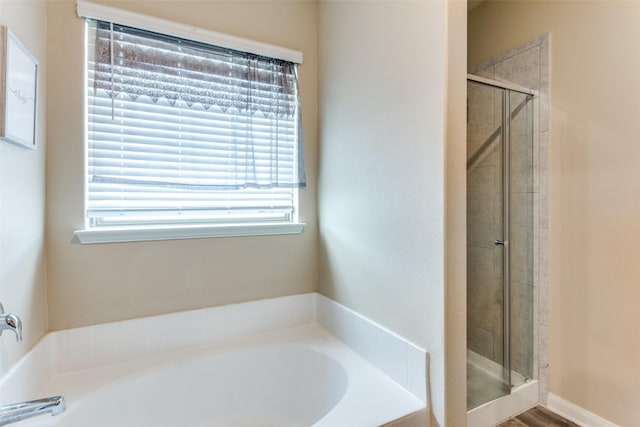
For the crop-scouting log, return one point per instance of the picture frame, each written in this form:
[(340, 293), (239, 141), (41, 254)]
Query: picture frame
[(18, 91)]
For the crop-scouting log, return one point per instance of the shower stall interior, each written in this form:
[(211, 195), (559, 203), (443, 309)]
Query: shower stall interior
[(500, 240)]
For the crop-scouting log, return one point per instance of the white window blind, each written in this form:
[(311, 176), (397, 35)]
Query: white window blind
[(183, 132)]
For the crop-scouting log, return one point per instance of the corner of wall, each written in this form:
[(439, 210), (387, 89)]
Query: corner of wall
[(455, 217), (22, 200)]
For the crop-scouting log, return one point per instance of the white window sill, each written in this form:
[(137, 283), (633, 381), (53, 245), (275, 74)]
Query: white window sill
[(142, 234)]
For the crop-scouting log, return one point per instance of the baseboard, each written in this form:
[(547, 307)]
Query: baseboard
[(576, 413)]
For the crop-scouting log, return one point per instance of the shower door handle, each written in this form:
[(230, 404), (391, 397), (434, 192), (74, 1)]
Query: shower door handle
[(499, 243)]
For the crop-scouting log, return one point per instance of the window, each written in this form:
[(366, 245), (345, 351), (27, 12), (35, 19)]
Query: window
[(184, 134)]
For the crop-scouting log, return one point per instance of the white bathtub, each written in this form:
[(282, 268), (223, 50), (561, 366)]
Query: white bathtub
[(267, 386), (297, 376)]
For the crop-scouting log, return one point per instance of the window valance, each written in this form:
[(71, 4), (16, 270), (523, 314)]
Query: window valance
[(137, 62)]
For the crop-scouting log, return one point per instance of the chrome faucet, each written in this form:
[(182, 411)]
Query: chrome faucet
[(10, 322), (19, 411)]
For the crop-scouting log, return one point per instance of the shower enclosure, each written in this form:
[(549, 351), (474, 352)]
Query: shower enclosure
[(500, 297)]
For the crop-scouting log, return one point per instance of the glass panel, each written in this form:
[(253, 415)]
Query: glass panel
[(521, 237), (487, 369)]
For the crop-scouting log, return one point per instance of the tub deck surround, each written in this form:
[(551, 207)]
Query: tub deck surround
[(93, 365), (398, 358), (342, 390)]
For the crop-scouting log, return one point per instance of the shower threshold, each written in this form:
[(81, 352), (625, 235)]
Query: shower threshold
[(486, 394), (485, 380), (491, 369)]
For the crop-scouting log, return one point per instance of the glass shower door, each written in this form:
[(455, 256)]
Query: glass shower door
[(488, 359)]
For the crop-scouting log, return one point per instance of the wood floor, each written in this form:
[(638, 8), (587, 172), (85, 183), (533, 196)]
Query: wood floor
[(538, 417)]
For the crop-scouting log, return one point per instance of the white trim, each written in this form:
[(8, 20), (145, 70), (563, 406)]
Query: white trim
[(575, 413), (142, 234), (91, 10)]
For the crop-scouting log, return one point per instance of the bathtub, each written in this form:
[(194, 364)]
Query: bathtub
[(294, 375)]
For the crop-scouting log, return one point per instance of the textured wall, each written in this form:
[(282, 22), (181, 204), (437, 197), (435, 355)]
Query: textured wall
[(22, 200), (383, 115), (455, 292), (100, 283)]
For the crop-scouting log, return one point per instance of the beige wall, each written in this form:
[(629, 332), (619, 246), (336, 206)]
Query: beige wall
[(455, 284), (90, 284), (594, 184), (22, 200), (383, 100)]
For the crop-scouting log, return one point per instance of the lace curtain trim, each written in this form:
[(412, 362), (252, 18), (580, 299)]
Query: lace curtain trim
[(159, 66)]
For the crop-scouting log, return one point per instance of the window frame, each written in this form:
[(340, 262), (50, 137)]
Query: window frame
[(133, 233)]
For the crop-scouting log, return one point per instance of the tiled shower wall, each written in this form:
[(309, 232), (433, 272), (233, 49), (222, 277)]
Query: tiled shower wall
[(528, 66)]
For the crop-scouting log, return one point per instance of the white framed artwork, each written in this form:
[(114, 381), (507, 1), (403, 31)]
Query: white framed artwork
[(18, 91)]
